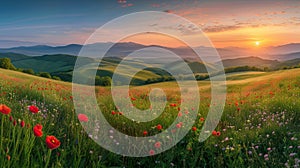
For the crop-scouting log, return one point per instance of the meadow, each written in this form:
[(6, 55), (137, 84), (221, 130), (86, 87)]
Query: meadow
[(259, 127)]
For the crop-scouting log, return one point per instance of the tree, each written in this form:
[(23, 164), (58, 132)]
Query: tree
[(5, 63), (102, 81), (28, 71), (44, 74), (56, 78)]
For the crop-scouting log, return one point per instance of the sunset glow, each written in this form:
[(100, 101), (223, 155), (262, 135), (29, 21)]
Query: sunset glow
[(238, 24), (257, 43)]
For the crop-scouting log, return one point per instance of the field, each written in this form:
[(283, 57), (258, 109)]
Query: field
[(259, 127)]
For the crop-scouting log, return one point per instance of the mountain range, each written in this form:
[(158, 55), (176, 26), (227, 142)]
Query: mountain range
[(280, 53), (60, 60)]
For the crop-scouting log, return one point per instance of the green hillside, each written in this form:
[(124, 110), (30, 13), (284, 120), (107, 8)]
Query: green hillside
[(14, 56), (259, 125)]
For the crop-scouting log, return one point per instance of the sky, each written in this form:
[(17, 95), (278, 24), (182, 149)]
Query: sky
[(227, 23)]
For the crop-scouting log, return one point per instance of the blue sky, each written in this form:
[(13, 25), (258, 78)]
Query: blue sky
[(65, 22)]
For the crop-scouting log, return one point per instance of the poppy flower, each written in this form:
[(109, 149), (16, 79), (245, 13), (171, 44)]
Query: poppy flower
[(4, 109), (194, 128), (158, 127), (37, 130), (145, 133), (216, 133), (33, 109), (52, 142), (157, 145), (173, 105), (113, 112), (83, 118), (22, 123), (151, 152), (202, 119)]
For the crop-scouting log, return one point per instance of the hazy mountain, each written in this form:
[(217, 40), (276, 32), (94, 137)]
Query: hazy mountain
[(38, 50), (250, 61), (15, 43), (284, 52), (284, 49), (285, 57), (14, 56), (289, 63)]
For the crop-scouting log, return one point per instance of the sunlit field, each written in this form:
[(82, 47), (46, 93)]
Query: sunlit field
[(259, 127)]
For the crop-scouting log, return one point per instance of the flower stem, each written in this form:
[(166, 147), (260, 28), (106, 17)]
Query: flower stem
[(48, 158), (1, 137)]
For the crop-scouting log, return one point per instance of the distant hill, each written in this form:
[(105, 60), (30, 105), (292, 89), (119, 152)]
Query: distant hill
[(125, 48), (289, 63), (18, 43), (48, 63), (250, 61), (62, 65), (72, 49), (285, 57), (14, 56), (284, 49)]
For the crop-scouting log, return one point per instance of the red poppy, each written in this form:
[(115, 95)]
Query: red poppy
[(4, 109), (113, 112), (236, 103), (145, 133), (151, 152), (33, 109), (216, 133), (157, 145), (37, 130), (202, 119), (158, 127), (178, 125), (83, 118), (173, 105), (22, 124), (194, 128), (52, 142)]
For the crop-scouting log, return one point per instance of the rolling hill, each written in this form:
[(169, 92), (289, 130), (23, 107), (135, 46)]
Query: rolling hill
[(250, 61), (62, 65), (281, 53)]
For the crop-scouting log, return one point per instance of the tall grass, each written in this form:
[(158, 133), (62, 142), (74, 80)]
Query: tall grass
[(259, 126)]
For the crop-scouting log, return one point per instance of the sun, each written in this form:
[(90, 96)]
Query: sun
[(257, 43)]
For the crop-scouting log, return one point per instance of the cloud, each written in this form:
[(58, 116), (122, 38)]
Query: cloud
[(127, 5), (220, 28), (31, 27), (122, 1)]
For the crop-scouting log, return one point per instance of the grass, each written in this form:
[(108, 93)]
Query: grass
[(259, 126)]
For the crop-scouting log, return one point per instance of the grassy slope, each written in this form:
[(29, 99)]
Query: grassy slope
[(260, 98)]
